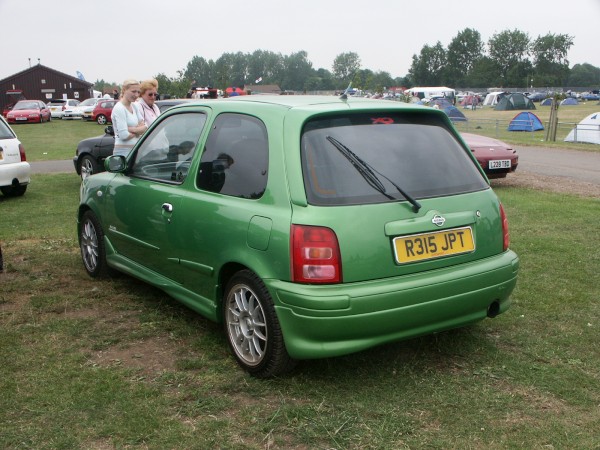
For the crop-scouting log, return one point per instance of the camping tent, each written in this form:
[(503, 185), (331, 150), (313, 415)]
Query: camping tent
[(233, 91), (569, 101), (546, 102), (493, 98), (514, 101), (440, 103), (469, 100), (588, 130), (455, 114), (525, 121)]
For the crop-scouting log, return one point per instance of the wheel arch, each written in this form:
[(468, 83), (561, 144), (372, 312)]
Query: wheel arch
[(225, 274)]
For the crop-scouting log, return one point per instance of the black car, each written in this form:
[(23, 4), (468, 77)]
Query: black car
[(91, 153)]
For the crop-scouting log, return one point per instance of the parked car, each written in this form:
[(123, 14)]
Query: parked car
[(91, 153), (495, 157), (537, 96), (14, 168), (102, 112), (58, 105), (590, 96), (29, 111), (81, 111), (310, 227)]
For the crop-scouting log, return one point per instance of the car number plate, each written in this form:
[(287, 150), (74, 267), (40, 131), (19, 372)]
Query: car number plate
[(20, 118), (419, 247), (499, 164)]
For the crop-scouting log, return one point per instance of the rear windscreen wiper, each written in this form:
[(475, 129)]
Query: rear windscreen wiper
[(368, 173)]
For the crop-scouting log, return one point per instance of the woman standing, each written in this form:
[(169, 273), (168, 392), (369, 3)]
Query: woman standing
[(127, 123), (149, 111)]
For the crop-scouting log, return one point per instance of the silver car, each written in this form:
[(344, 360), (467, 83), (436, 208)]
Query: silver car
[(59, 105), (81, 111)]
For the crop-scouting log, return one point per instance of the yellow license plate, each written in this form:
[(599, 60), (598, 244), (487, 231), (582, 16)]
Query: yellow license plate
[(419, 247)]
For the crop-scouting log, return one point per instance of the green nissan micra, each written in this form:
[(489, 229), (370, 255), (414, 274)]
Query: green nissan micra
[(310, 226)]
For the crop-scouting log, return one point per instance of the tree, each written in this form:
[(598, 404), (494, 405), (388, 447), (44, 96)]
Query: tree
[(463, 52), (199, 71), (507, 49), (321, 80), (428, 68), (297, 68), (172, 87), (104, 87), (485, 73), (550, 58), (265, 65), (345, 66), (584, 75)]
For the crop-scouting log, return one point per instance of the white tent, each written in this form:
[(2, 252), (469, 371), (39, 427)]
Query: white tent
[(493, 98), (588, 130)]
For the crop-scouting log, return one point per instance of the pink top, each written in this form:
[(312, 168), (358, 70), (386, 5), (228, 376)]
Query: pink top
[(148, 113)]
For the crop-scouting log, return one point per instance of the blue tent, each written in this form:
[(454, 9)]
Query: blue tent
[(525, 121), (455, 114), (569, 101), (546, 102), (441, 103)]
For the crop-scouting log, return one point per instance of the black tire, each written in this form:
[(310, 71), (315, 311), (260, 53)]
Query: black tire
[(253, 331), (91, 243), (14, 191), (88, 166), (101, 119)]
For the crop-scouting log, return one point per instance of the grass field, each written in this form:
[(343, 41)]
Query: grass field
[(41, 145), (102, 364)]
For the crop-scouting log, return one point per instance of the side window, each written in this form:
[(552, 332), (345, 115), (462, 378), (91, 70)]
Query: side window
[(166, 153), (235, 160)]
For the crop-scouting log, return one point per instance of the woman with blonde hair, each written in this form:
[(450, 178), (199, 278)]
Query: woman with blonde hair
[(148, 93), (126, 118)]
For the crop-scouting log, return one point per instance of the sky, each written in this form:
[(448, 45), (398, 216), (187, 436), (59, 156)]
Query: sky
[(115, 40)]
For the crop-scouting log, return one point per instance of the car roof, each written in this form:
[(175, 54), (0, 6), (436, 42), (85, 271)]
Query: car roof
[(308, 103)]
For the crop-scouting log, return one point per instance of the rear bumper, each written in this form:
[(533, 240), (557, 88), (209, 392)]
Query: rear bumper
[(18, 171), (324, 321)]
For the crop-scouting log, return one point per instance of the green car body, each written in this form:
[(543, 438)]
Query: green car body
[(180, 227)]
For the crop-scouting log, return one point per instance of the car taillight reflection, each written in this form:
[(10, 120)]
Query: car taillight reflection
[(315, 255), (505, 234)]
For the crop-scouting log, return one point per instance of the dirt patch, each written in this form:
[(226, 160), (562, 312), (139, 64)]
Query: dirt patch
[(562, 185), (150, 356)]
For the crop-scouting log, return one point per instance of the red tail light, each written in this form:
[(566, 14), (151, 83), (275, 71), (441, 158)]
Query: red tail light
[(505, 234), (315, 255), (64, 107), (22, 152)]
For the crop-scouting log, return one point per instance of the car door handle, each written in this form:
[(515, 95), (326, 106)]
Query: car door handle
[(167, 207)]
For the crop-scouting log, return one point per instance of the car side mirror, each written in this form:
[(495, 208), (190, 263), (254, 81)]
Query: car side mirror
[(109, 130), (115, 163)]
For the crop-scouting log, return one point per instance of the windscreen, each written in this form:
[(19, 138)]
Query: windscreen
[(373, 158)]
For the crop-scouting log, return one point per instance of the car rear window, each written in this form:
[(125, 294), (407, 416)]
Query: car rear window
[(5, 131), (369, 158), (57, 102)]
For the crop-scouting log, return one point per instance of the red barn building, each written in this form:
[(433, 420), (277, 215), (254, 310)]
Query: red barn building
[(41, 83)]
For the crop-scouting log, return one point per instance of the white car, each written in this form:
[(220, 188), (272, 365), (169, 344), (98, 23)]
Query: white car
[(15, 171), (59, 105), (81, 111)]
